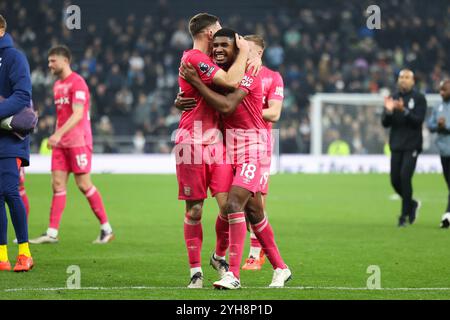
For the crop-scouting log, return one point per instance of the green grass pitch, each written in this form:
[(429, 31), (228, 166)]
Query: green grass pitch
[(329, 229)]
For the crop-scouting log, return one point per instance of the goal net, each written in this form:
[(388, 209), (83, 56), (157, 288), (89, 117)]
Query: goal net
[(350, 124)]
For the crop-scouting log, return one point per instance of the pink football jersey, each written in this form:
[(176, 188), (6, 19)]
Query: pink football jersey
[(202, 114), (67, 92)]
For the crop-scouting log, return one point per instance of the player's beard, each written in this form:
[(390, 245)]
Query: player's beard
[(57, 72)]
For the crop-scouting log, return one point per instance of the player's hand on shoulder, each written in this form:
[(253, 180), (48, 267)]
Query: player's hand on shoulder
[(184, 104), (242, 44), (188, 72), (255, 64)]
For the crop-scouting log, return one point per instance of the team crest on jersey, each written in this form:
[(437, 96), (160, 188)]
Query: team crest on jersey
[(187, 191), (203, 67), (411, 104)]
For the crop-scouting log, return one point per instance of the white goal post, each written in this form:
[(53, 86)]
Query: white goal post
[(350, 99)]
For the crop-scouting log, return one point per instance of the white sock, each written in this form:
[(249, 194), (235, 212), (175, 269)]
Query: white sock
[(52, 232), (216, 257), (195, 270), (106, 227), (255, 252)]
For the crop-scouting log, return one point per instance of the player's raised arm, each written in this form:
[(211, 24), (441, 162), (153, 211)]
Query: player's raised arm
[(224, 104), (232, 78)]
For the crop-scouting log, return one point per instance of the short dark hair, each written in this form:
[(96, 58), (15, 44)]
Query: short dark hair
[(3, 23), (225, 32), (201, 21), (60, 50), (256, 39)]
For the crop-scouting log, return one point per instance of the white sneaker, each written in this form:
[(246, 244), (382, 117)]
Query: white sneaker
[(221, 265), (45, 238), (228, 281), (104, 237), (280, 277), (196, 281)]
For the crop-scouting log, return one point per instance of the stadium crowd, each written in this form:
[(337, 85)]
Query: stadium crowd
[(131, 64)]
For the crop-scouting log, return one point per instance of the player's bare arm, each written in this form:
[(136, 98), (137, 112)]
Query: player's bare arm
[(224, 104), (232, 78), (74, 119), (273, 113)]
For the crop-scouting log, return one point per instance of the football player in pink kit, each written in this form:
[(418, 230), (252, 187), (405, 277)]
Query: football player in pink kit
[(71, 146), (272, 84), (198, 144), (241, 114)]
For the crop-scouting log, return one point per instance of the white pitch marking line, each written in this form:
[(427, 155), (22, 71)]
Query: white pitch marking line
[(185, 288)]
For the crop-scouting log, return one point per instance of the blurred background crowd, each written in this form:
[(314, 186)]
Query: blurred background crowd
[(129, 54)]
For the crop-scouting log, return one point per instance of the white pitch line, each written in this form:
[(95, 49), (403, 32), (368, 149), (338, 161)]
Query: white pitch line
[(185, 288)]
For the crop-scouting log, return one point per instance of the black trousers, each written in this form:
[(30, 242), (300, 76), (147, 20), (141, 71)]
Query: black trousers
[(403, 164), (446, 171)]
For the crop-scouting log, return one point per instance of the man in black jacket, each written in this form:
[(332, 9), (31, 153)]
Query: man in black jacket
[(405, 113)]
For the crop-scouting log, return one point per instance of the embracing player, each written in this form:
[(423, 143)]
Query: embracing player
[(242, 119), (71, 146), (272, 86), (199, 138)]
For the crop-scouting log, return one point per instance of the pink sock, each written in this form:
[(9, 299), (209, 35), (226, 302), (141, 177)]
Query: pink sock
[(56, 211), (96, 203), (222, 235), (254, 242), (238, 232), (193, 237), (264, 233), (24, 197)]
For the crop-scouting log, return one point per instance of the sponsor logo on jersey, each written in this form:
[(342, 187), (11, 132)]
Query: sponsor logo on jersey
[(62, 100), (246, 82)]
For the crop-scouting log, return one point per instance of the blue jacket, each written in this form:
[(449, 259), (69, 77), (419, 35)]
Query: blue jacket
[(443, 138), (15, 89)]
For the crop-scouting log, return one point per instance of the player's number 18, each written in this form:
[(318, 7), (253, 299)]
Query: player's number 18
[(248, 170)]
